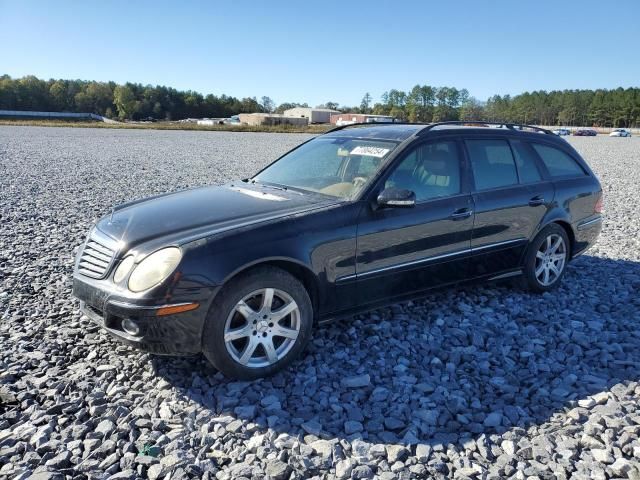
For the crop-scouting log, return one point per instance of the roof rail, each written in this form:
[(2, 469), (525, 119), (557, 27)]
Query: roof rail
[(429, 126), (372, 124), (510, 126)]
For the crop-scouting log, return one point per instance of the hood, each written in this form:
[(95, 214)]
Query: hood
[(204, 211)]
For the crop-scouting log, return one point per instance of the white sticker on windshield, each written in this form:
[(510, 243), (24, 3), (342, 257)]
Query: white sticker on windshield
[(370, 151)]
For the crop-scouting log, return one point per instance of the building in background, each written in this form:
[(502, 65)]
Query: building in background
[(313, 115), (348, 118), (256, 119)]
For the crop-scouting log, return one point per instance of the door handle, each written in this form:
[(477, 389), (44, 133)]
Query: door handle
[(461, 213), (536, 201)]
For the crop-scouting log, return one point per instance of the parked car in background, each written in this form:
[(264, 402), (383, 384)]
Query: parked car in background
[(620, 132), (585, 132), (233, 120), (360, 217), (342, 123), (380, 119), (562, 131)]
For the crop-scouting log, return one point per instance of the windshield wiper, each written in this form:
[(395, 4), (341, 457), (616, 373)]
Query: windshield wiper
[(275, 186), (286, 188)]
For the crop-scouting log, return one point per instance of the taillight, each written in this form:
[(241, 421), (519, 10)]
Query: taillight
[(597, 208)]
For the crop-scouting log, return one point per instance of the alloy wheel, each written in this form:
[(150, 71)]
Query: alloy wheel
[(262, 328), (550, 259)]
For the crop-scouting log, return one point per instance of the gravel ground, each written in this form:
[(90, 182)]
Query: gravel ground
[(474, 382)]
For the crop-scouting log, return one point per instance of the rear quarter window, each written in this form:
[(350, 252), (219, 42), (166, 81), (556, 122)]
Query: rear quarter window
[(526, 163), (557, 162)]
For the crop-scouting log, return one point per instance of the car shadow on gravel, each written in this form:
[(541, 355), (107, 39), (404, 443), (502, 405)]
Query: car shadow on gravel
[(452, 368)]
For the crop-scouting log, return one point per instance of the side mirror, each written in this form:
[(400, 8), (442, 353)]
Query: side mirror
[(396, 197)]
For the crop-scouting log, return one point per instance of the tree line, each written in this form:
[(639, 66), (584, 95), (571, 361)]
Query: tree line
[(131, 101), (603, 108), (423, 103)]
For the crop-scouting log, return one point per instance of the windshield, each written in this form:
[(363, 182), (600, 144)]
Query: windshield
[(339, 167)]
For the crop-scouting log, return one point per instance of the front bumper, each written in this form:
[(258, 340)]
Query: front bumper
[(175, 334)]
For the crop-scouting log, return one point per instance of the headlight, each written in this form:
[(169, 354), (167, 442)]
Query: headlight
[(123, 269), (154, 269)]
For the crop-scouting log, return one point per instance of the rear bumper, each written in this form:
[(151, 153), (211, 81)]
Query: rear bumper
[(175, 334), (586, 234)]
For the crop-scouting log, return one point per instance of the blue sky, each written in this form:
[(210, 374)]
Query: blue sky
[(318, 51)]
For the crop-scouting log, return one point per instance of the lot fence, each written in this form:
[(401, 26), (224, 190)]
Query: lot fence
[(52, 115)]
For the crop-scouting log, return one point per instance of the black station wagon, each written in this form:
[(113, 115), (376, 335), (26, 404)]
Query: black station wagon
[(361, 216)]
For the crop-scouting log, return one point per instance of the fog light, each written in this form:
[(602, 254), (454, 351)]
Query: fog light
[(130, 327)]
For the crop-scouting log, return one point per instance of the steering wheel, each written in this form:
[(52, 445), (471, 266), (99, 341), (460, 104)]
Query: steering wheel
[(359, 181)]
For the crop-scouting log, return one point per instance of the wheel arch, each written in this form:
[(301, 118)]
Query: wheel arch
[(570, 234), (561, 221), (566, 226), (294, 267)]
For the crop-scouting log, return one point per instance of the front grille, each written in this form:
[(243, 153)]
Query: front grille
[(96, 259)]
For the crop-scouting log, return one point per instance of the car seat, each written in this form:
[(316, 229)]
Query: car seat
[(438, 174)]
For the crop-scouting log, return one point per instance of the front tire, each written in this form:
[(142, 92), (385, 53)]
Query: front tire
[(258, 324), (546, 259)]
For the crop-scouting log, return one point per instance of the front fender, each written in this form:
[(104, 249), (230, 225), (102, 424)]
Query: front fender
[(322, 244)]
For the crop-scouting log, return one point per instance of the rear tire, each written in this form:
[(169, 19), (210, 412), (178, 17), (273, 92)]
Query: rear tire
[(258, 324), (546, 259)]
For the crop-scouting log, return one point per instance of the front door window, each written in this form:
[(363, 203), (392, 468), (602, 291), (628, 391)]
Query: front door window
[(430, 171)]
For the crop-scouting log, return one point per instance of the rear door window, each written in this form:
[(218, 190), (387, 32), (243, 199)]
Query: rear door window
[(526, 163), (557, 162), (492, 164)]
